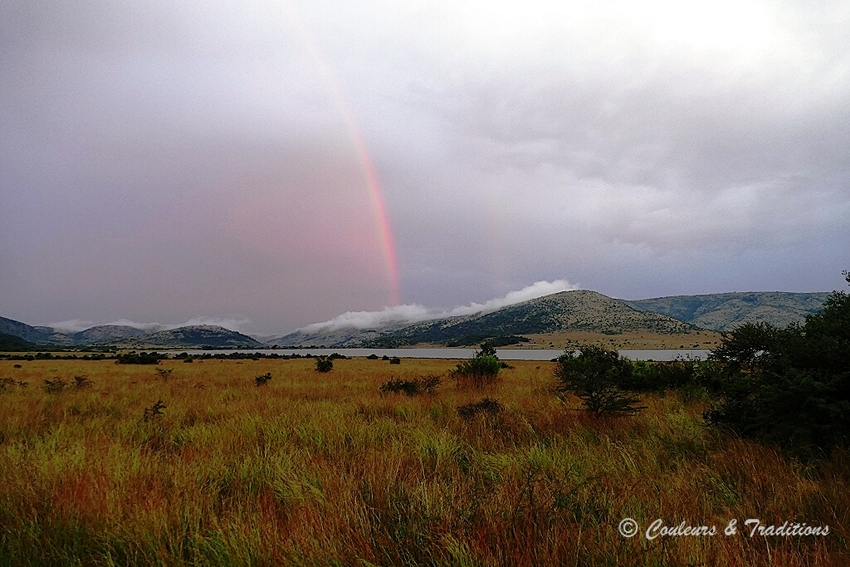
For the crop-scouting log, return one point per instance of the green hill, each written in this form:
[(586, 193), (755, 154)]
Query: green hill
[(14, 344), (199, 336), (567, 311), (725, 311)]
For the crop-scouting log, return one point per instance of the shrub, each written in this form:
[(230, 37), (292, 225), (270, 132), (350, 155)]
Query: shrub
[(154, 411), (82, 382), (486, 407), (324, 364), (263, 379), (788, 386), (481, 370), (395, 360), (422, 385), (164, 373), (139, 358), (54, 386), (596, 376), (675, 374)]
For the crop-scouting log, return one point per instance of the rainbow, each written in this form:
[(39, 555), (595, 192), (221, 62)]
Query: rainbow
[(370, 175)]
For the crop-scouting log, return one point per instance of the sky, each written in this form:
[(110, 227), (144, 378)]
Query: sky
[(275, 163)]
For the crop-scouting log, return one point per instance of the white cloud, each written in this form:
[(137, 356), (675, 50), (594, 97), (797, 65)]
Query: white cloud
[(72, 325), (368, 319), (537, 289), (408, 314)]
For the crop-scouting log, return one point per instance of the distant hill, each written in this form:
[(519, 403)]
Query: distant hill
[(33, 334), (725, 311), (193, 336), (336, 337), (13, 343), (102, 334), (199, 336), (579, 310)]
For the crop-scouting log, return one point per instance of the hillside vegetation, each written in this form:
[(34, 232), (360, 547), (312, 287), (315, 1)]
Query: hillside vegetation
[(579, 310), (725, 311), (13, 343)]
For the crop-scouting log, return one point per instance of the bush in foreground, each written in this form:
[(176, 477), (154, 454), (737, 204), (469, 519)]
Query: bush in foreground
[(789, 386), (595, 375), (481, 370)]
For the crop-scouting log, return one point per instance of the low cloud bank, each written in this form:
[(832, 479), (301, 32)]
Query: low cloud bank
[(408, 314), (533, 291)]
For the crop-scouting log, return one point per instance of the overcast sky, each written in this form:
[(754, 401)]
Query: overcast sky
[(280, 162)]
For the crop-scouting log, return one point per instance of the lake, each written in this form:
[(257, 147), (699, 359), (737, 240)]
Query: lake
[(461, 353)]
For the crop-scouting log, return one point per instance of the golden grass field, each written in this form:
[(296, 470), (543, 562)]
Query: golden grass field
[(320, 469), (705, 340)]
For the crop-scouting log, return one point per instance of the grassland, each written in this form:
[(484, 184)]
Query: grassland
[(648, 340), (320, 469)]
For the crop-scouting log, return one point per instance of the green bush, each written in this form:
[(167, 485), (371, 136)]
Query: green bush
[(596, 375), (324, 364), (788, 386), (422, 385), (139, 358), (649, 376), (480, 370)]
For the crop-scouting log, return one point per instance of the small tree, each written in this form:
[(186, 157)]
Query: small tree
[(596, 375)]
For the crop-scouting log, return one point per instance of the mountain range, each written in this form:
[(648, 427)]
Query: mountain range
[(578, 311), (125, 336)]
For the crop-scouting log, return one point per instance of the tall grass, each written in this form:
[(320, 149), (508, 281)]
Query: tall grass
[(323, 469)]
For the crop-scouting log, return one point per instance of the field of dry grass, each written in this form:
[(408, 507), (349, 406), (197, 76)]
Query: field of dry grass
[(321, 469), (706, 340)]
